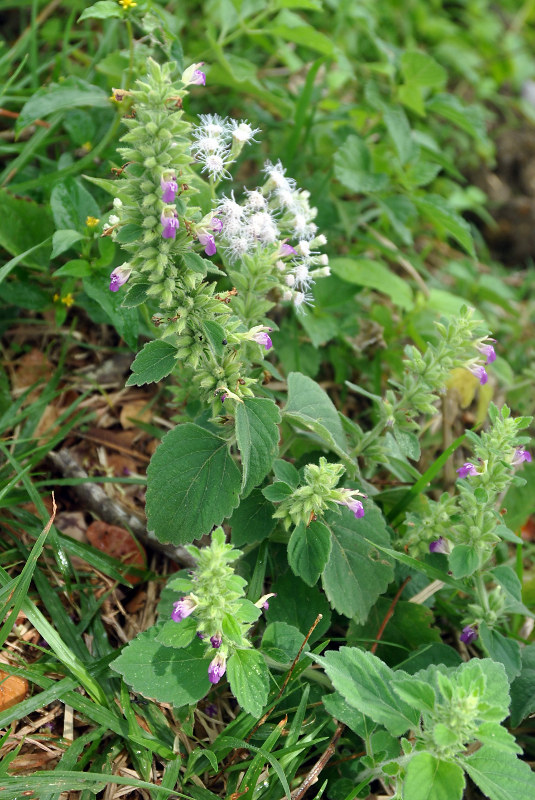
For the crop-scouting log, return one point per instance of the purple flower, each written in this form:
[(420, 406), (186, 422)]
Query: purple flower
[(208, 242), (169, 220), (198, 78), (440, 545), (211, 710), (119, 276), (469, 634), (200, 635), (520, 456), (466, 470), (169, 187), (263, 338), (217, 668), (217, 224), (356, 507), (183, 608), (480, 373), (223, 397), (488, 351), (216, 640), (287, 250), (265, 605)]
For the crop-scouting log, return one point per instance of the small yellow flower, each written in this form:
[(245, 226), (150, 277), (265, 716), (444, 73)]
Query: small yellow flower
[(68, 300), (126, 4), (56, 297), (87, 146), (92, 222)]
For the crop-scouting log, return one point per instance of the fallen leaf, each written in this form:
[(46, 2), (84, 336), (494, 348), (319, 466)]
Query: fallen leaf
[(118, 543), (12, 690), (137, 602), (134, 410), (72, 523)]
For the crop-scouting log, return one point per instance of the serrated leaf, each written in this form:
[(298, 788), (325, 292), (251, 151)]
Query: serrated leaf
[(335, 704), (439, 212), (253, 520), (366, 684), (153, 363), (353, 167), (356, 574), (282, 642), (70, 93), (310, 406), (286, 472), (277, 492), (257, 434), (178, 634), (196, 263), (249, 680), (135, 295), (422, 70), (428, 778), (375, 275), (499, 774), (62, 240), (104, 9), (417, 694), (308, 551), (169, 675), (193, 484)]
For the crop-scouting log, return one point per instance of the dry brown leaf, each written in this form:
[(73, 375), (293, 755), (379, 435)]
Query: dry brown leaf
[(72, 523), (118, 543), (134, 410), (30, 368), (12, 690)]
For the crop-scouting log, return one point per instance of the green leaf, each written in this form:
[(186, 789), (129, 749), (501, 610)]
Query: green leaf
[(135, 295), (70, 93), (277, 492), (253, 520), (282, 642), (463, 561), (177, 634), (417, 694), (104, 9), (399, 130), (77, 268), (309, 406), (523, 688), (439, 213), (153, 363), (375, 275), (169, 675), (422, 70), (128, 233), (468, 117), (335, 704), (257, 434), (193, 484), (366, 684), (291, 27), (124, 320), (249, 680), (284, 471), (298, 605), (500, 775), (499, 648), (30, 225), (215, 335), (427, 778), (71, 204), (308, 550), (353, 167), (196, 263), (356, 573), (62, 240)]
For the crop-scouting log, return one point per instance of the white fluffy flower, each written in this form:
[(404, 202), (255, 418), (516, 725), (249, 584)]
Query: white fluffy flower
[(255, 200), (262, 226), (242, 131)]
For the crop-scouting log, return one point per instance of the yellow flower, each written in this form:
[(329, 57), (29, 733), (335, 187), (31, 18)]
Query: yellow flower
[(68, 300), (56, 297), (126, 4), (92, 222), (87, 146)]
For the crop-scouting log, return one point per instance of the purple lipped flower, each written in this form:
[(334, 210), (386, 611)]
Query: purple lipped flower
[(488, 351), (119, 276), (198, 78), (520, 456), (265, 605), (215, 641), (466, 470), (208, 242), (217, 668), (287, 250), (183, 608), (169, 220), (357, 508), (169, 187), (469, 634), (480, 373), (194, 75), (440, 545), (217, 224), (223, 397), (263, 338), (200, 635)]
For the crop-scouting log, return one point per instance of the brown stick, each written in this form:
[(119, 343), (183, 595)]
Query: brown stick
[(389, 614), (312, 776), (15, 115)]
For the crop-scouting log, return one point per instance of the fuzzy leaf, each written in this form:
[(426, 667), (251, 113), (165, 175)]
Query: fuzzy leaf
[(153, 363), (310, 407), (308, 551), (71, 93), (193, 484), (428, 778), (499, 774), (257, 434), (249, 680)]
